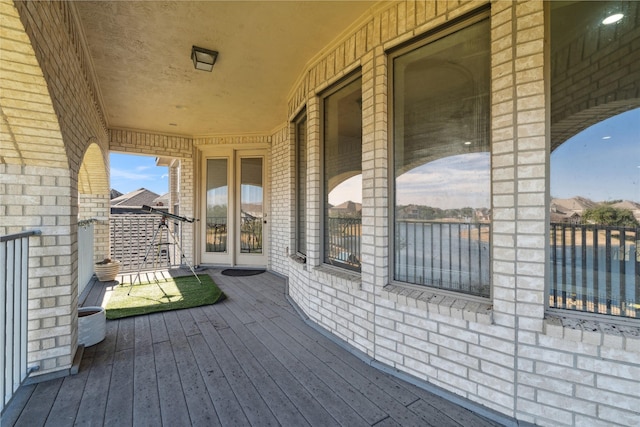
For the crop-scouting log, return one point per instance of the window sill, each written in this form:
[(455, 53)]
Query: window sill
[(445, 304), (593, 331), (298, 259), (339, 276)]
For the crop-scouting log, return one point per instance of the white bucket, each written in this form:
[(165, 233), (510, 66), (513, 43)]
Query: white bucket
[(92, 325)]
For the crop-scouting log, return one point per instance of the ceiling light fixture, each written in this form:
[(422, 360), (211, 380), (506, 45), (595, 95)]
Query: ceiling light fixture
[(612, 19), (203, 59)]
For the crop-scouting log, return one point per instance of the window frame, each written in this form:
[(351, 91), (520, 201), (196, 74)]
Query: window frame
[(302, 116), (474, 17), (322, 96)]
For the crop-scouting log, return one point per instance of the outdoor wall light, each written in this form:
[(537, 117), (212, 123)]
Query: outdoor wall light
[(203, 59)]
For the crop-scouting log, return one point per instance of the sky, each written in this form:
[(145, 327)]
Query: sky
[(131, 172), (600, 163)]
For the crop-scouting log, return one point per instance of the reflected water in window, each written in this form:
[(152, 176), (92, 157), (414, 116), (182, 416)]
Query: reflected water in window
[(442, 164), (595, 158)]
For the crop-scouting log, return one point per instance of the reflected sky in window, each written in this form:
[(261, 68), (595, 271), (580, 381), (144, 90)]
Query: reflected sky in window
[(449, 183), (600, 163)]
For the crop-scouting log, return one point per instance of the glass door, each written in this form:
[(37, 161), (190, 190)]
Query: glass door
[(251, 213), (234, 208), (216, 242)]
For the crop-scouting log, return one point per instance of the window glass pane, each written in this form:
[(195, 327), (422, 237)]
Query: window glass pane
[(217, 205), (301, 181), (251, 207), (343, 176), (442, 165), (595, 158)]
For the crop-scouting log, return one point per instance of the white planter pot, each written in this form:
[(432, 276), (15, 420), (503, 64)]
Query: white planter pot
[(107, 272), (92, 325)]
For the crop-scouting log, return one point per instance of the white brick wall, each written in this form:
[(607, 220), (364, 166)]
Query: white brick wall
[(502, 354)]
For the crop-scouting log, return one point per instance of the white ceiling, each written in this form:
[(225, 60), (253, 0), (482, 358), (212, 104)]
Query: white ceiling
[(141, 54)]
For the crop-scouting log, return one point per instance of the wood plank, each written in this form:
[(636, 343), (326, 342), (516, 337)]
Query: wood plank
[(335, 408), (254, 407), (146, 401), (17, 404), (39, 404), (188, 323), (281, 406), (226, 405), (199, 404), (359, 402), (125, 338), (250, 360), (158, 328), (67, 403), (119, 410), (430, 404), (173, 408), (93, 403)]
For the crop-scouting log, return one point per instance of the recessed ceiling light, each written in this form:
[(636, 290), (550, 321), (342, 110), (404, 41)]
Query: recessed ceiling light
[(606, 137), (612, 19), (467, 143)]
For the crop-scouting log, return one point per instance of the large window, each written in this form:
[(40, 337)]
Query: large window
[(342, 174), (301, 184), (441, 161), (595, 158)]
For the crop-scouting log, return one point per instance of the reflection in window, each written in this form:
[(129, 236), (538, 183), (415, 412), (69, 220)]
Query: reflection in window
[(442, 162), (301, 185), (595, 158), (251, 206), (217, 205), (342, 166)]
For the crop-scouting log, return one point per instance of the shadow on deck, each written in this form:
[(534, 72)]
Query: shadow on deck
[(248, 361)]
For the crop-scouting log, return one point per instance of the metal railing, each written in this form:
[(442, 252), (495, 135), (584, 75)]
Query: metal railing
[(595, 269), (132, 235), (14, 281), (445, 255), (216, 234), (343, 239)]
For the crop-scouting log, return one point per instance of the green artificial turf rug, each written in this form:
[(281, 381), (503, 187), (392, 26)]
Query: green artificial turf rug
[(173, 294)]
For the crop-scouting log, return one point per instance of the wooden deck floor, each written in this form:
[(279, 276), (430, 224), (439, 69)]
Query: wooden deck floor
[(248, 361)]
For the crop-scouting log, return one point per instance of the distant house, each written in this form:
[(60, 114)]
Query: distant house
[(348, 208), (133, 201), (570, 211)]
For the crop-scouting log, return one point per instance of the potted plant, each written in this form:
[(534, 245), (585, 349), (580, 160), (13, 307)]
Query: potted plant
[(107, 269)]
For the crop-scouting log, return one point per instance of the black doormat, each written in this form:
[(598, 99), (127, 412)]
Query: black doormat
[(241, 272)]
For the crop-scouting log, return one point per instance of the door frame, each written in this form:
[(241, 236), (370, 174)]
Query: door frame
[(232, 257)]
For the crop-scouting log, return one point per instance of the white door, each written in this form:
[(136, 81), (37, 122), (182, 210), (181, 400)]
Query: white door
[(235, 230)]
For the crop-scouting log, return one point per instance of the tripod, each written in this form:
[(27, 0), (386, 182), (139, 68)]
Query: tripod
[(162, 227)]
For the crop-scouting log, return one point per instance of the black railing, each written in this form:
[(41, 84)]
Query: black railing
[(216, 234), (446, 255), (250, 234), (595, 269), (343, 241)]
